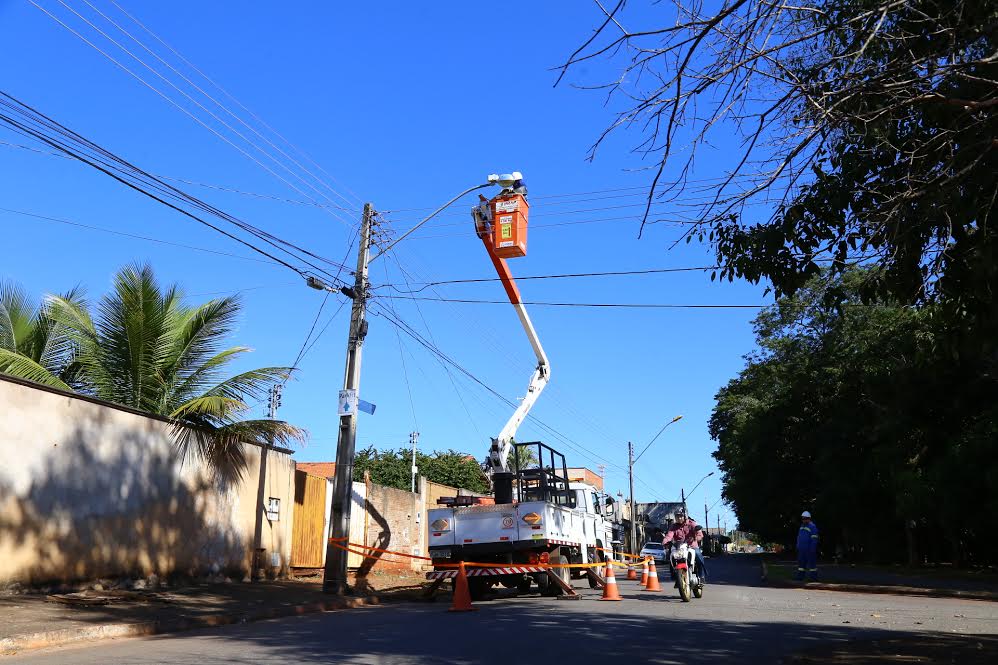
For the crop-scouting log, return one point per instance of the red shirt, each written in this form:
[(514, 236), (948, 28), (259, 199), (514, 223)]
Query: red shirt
[(684, 532)]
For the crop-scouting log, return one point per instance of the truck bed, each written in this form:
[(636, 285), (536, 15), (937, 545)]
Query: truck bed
[(503, 527)]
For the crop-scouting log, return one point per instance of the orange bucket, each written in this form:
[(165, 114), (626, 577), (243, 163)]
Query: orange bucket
[(509, 220)]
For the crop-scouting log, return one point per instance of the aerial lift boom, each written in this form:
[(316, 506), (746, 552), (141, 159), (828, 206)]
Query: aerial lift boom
[(496, 466)]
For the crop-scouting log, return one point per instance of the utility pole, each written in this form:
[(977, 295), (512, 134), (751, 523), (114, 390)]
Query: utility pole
[(634, 511), (414, 440), (706, 521), (335, 575), (682, 495), (261, 488)]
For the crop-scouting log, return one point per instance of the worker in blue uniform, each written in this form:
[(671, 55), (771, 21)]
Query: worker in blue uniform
[(807, 548)]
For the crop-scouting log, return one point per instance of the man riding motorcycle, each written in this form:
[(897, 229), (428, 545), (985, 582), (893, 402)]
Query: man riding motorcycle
[(685, 528)]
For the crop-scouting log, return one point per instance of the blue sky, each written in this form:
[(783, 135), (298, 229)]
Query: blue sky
[(405, 105)]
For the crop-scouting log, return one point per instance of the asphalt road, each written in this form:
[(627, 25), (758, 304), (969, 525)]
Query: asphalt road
[(736, 619)]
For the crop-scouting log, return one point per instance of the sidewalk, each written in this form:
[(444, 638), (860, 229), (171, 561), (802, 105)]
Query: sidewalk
[(874, 579), (35, 621)]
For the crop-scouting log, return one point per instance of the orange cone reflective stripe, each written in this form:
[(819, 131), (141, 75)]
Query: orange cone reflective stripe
[(462, 596), (610, 591), (644, 572), (653, 584)]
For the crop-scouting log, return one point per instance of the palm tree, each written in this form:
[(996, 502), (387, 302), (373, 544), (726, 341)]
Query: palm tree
[(32, 345), (144, 348)]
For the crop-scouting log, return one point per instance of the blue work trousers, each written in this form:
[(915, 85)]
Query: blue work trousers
[(807, 562)]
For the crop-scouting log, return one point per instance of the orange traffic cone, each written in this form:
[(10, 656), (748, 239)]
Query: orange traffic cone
[(653, 584), (462, 597), (610, 591), (644, 572), (631, 573)]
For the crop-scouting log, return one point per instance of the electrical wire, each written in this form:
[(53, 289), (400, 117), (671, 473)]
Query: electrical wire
[(611, 273), (260, 120), (215, 101), (177, 105), (132, 235), (537, 303), (43, 128)]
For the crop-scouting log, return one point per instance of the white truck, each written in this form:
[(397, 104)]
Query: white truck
[(538, 517), (520, 537)]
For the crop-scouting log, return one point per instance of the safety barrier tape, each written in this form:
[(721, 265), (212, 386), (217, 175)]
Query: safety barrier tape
[(336, 542)]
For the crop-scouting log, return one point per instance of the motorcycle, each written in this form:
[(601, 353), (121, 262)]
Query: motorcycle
[(683, 559)]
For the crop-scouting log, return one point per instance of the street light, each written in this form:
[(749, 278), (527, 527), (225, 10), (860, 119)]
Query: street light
[(686, 496), (630, 473), (505, 181)]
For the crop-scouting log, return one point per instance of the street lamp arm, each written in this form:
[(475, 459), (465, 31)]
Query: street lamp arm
[(698, 484), (428, 218), (677, 418)]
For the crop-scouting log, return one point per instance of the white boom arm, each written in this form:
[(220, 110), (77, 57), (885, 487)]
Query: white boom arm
[(499, 455), (498, 459)]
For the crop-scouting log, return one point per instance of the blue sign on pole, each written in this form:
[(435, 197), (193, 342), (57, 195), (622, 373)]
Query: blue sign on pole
[(366, 407)]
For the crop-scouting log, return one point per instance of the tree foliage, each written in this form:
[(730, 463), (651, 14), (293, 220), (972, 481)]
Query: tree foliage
[(142, 347), (861, 415), (866, 128), (391, 468)]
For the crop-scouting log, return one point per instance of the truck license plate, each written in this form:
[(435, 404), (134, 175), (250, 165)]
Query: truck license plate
[(440, 554)]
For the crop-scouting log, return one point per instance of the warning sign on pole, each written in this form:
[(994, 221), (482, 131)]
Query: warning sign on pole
[(348, 402)]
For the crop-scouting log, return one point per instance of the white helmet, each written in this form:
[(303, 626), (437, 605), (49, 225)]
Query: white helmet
[(806, 514)]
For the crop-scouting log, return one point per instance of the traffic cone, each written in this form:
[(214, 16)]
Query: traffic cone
[(462, 597), (644, 572), (631, 573), (653, 584), (610, 591)]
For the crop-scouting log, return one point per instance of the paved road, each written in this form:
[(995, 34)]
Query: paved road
[(735, 619)]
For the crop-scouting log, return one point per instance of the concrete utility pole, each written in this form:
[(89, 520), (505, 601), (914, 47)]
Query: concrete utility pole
[(634, 512), (335, 575), (414, 440), (261, 488)]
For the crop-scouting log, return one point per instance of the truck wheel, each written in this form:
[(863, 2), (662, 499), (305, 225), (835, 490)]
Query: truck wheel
[(564, 573)]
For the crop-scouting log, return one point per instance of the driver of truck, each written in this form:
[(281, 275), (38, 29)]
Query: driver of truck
[(685, 528)]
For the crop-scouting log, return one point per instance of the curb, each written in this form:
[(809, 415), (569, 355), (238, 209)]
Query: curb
[(54, 638), (956, 594)]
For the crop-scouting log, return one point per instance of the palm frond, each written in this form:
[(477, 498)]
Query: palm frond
[(221, 449), (17, 315), (17, 365), (200, 378), (214, 409), (251, 385)]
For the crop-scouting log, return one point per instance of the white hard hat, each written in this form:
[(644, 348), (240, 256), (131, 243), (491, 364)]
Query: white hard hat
[(805, 514)]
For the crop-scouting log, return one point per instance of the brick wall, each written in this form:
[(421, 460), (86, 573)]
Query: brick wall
[(394, 522)]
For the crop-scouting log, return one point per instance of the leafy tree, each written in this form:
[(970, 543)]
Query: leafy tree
[(391, 468), (142, 347), (860, 415)]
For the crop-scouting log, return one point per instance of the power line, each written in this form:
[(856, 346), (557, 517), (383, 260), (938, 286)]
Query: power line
[(384, 312), (175, 104), (579, 304), (130, 235), (206, 185), (215, 101), (56, 135), (263, 123), (611, 273), (304, 344)]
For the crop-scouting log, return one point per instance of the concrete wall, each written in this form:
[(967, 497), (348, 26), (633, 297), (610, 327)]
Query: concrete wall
[(92, 490)]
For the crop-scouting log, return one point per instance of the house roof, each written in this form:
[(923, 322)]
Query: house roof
[(321, 469)]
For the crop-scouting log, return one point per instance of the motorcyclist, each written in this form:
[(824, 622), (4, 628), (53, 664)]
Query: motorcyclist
[(685, 528)]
